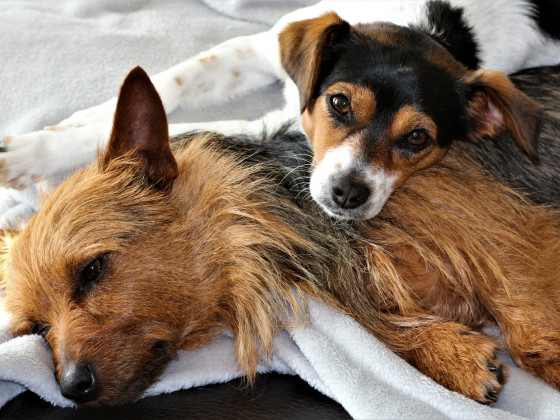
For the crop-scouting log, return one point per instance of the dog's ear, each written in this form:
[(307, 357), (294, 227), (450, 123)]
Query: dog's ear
[(302, 45), (496, 106), (140, 130)]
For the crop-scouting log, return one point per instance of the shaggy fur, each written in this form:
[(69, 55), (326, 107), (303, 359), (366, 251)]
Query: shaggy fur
[(119, 269)]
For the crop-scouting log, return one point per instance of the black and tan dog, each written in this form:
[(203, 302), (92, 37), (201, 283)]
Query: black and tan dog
[(148, 251), (381, 101)]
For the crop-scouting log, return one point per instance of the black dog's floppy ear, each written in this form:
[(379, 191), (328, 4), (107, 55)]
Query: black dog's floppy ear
[(140, 130), (496, 105), (302, 45)]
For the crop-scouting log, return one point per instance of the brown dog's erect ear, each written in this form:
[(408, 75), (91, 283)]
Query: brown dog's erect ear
[(140, 129), (301, 48), (497, 106)]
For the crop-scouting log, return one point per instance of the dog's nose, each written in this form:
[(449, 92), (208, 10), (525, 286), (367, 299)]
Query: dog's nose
[(78, 384), (348, 193)]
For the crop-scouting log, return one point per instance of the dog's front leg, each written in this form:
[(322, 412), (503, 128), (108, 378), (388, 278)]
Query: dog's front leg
[(27, 158), (271, 121), (254, 128), (456, 357), (227, 70), (230, 69)]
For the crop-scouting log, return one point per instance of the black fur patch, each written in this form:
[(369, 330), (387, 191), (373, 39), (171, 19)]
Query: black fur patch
[(547, 14), (398, 75), (448, 26)]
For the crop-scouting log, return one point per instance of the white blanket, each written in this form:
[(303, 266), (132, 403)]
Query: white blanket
[(60, 56)]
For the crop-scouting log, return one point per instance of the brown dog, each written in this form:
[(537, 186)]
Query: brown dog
[(147, 252)]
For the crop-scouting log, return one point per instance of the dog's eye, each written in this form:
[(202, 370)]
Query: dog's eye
[(92, 273), (340, 103), (417, 138), (40, 329)]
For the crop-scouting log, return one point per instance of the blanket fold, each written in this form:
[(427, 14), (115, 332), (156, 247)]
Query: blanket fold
[(333, 354)]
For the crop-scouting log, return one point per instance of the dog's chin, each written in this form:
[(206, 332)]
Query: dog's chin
[(359, 214), (113, 400), (120, 393), (366, 211)]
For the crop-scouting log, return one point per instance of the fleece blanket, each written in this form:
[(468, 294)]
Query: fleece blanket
[(61, 56)]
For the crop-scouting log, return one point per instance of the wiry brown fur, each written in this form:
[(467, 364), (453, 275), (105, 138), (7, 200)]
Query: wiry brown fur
[(215, 253), (476, 252), (234, 242)]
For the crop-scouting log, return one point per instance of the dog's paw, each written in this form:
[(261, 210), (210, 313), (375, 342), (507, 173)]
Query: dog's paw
[(495, 383), (27, 158), (463, 361), (21, 159), (476, 372)]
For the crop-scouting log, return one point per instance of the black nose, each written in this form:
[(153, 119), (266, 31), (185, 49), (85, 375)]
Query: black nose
[(78, 384), (349, 193)]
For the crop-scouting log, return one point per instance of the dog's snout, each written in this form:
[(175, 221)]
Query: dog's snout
[(78, 384), (348, 193)]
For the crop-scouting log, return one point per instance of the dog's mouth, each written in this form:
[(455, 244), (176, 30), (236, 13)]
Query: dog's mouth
[(364, 211), (123, 379), (336, 212), (83, 386), (354, 191)]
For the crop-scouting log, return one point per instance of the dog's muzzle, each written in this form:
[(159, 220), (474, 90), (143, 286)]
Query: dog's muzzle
[(348, 193), (78, 384)]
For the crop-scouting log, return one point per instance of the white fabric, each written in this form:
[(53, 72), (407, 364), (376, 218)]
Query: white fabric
[(333, 354), (61, 56)]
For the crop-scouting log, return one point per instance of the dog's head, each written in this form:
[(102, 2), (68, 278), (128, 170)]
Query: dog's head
[(93, 270), (381, 101)]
